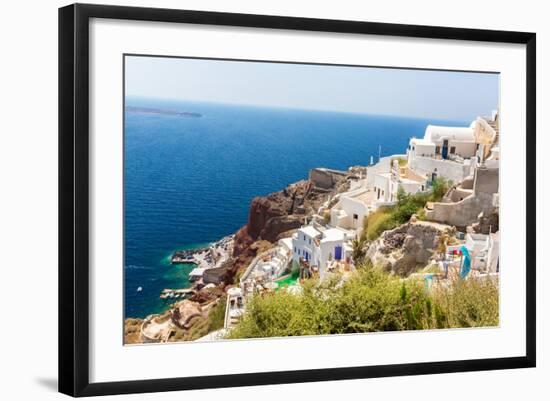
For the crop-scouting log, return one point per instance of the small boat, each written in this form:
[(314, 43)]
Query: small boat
[(139, 289)]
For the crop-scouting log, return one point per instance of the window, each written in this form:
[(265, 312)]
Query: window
[(453, 149), (310, 241), (304, 237), (437, 150), (355, 217)]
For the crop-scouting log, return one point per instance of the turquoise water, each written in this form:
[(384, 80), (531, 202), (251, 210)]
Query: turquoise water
[(189, 181)]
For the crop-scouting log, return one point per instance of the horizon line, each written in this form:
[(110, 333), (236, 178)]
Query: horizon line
[(262, 106)]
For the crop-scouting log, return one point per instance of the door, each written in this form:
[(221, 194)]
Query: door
[(338, 252), (445, 149)]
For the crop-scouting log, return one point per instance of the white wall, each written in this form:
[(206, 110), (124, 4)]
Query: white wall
[(383, 166), (28, 205), (463, 149), (445, 168), (353, 206), (303, 242), (423, 149), (412, 187), (327, 253), (382, 183)]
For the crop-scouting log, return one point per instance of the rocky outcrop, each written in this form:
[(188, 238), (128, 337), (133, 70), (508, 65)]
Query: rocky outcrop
[(244, 258), (280, 211), (487, 223), (132, 329), (407, 247), (207, 295), (185, 312), (283, 211)]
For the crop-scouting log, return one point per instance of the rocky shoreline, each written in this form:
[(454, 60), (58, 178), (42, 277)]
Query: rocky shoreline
[(270, 218)]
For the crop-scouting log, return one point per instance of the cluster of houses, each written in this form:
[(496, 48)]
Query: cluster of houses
[(466, 156)]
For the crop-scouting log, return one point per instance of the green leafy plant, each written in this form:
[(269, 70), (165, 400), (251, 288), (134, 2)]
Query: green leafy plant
[(370, 300)]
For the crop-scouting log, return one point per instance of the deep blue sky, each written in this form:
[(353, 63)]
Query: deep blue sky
[(411, 93)]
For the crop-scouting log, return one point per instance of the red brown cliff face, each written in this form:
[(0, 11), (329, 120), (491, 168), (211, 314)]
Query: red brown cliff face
[(280, 212), (274, 214)]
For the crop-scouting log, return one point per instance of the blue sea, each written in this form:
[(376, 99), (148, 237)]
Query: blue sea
[(189, 181)]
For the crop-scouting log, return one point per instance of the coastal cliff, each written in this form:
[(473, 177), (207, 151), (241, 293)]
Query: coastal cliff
[(281, 212)]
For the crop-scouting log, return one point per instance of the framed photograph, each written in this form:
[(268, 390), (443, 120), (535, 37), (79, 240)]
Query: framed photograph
[(251, 199)]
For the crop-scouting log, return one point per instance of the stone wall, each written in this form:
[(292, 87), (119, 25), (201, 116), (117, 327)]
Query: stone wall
[(486, 180), (463, 213), (325, 178), (466, 212)]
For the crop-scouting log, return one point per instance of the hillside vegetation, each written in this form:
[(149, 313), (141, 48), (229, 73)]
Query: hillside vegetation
[(369, 301), (386, 218)]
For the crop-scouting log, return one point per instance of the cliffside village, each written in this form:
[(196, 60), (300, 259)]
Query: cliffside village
[(309, 228)]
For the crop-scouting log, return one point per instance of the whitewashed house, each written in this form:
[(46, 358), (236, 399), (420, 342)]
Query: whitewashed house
[(384, 165), (448, 152), (484, 251), (318, 246), (454, 152), (444, 143), (352, 208), (386, 185)]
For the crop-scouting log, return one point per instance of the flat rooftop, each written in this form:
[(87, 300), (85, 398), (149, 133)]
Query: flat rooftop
[(333, 234), (310, 231)]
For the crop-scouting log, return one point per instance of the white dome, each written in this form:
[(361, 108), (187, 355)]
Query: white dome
[(435, 133)]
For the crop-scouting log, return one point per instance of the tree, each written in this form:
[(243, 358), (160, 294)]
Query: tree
[(358, 250), (440, 186)]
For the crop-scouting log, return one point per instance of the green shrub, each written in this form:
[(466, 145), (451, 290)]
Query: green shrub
[(370, 300), (216, 316), (469, 303), (440, 186), (379, 221), (409, 204)]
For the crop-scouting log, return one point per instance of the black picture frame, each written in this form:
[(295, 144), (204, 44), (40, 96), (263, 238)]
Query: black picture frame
[(74, 198)]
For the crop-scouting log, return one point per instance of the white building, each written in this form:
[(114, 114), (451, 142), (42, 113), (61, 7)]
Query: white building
[(386, 185), (448, 152), (484, 251), (384, 165), (318, 246), (352, 208), (454, 152), (444, 142)]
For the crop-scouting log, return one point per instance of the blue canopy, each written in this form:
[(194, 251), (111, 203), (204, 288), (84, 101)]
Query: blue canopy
[(465, 268)]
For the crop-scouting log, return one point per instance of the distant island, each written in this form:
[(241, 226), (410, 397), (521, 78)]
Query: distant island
[(148, 110)]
